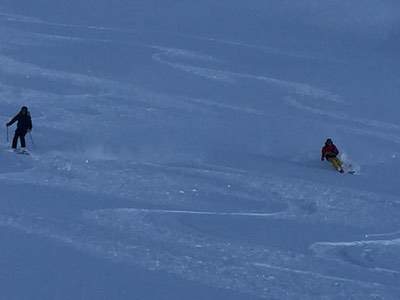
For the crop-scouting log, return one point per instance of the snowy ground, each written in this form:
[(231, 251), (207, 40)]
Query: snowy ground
[(176, 151)]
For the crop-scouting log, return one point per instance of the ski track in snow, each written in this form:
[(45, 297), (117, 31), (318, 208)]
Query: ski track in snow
[(206, 213), (381, 130), (269, 50), (253, 270), (372, 127), (229, 267), (377, 235), (380, 255), (231, 77)]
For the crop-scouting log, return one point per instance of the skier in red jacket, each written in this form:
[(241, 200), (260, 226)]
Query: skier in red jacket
[(330, 153)]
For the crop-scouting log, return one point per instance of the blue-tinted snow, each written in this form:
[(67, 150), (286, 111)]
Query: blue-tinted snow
[(177, 149)]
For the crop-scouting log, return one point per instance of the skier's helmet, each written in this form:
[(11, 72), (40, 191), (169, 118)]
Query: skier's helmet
[(329, 142), (24, 109)]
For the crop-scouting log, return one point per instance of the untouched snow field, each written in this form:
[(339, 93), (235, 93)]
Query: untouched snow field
[(177, 144)]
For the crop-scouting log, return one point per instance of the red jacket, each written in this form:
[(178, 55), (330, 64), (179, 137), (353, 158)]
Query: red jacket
[(329, 150)]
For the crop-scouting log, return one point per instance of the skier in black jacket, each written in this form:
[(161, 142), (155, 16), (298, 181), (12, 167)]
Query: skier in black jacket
[(24, 125)]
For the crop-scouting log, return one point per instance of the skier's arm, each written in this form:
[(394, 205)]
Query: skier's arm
[(336, 151), (323, 154), (29, 123), (13, 120)]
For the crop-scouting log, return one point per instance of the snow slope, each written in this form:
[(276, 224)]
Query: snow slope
[(176, 150)]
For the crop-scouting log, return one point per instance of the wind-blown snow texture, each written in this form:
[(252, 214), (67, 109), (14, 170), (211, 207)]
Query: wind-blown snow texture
[(177, 149)]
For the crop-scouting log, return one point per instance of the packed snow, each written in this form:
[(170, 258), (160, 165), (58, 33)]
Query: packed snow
[(175, 151)]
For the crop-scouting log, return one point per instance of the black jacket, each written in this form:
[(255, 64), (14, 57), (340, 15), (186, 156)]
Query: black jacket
[(24, 121)]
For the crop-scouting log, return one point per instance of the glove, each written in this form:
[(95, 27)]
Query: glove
[(322, 158), (8, 124)]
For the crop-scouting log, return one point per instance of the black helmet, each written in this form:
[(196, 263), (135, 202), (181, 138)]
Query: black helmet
[(24, 110), (329, 141)]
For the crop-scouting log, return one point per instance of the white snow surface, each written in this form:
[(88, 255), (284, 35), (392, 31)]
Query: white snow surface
[(177, 143)]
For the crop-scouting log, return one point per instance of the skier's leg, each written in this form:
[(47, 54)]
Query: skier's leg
[(337, 164), (15, 140), (334, 163), (22, 139)]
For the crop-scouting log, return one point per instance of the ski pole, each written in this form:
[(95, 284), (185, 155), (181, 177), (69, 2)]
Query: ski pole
[(30, 135), (7, 134)]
